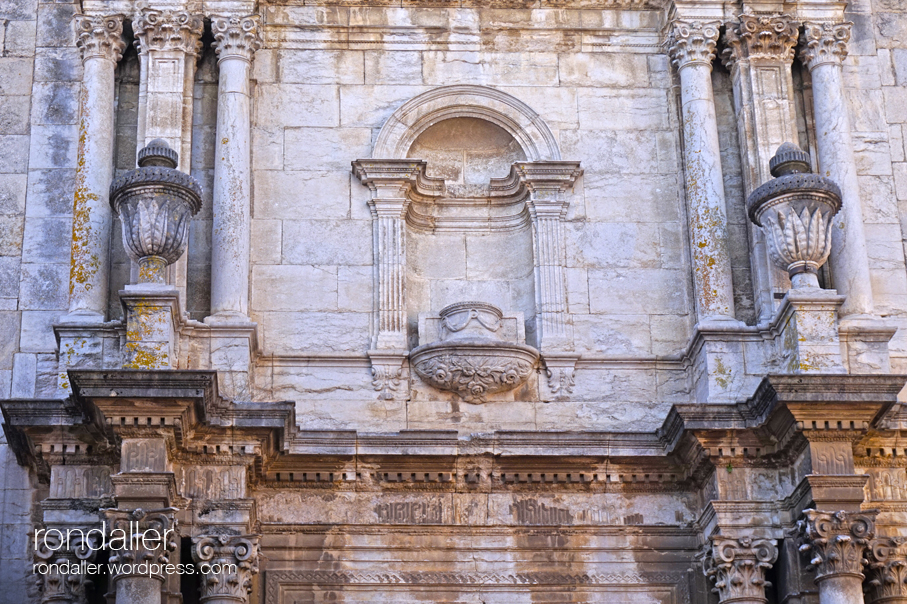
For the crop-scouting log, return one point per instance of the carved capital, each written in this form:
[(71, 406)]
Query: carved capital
[(738, 566), (137, 537), (888, 570), (824, 43), (836, 542), (62, 579), (769, 38), (168, 30), (693, 43), (227, 563), (99, 37), (236, 37)]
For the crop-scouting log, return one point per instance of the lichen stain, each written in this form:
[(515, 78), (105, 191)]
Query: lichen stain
[(722, 374), (84, 262)]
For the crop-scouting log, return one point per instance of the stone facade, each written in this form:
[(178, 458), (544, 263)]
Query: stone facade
[(454, 301)]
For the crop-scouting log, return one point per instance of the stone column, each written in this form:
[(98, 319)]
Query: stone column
[(888, 571), (100, 40), (836, 543), (227, 563), (738, 566), (824, 50), (759, 52), (692, 51), (139, 554), (235, 39), (169, 43)]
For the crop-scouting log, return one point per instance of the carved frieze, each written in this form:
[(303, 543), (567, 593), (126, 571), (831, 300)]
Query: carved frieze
[(738, 567), (212, 482), (236, 37), (100, 37), (836, 542), (824, 43), (693, 42)]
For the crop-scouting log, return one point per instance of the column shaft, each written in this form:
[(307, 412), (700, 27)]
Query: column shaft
[(100, 40), (550, 294), (825, 47), (844, 589), (693, 52), (236, 40), (390, 243)]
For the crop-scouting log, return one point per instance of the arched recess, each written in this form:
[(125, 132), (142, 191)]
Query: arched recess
[(446, 102)]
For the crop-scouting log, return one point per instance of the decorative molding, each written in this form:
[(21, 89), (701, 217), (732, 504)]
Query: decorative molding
[(99, 37), (693, 43), (836, 541), (234, 552), (236, 37), (888, 570), (824, 43), (771, 38), (738, 567), (168, 30)]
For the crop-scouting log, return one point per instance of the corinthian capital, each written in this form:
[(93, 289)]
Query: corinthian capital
[(237, 37), (227, 563), (888, 570), (824, 43), (693, 42), (58, 564), (100, 37), (138, 536), (771, 38), (737, 566), (836, 542), (168, 30)]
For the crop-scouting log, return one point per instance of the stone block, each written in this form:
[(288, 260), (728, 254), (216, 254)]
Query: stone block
[(613, 335), (448, 291), (895, 104), (866, 109), (18, 9), (55, 103), (355, 288), (55, 24), (399, 67), (279, 105), (266, 241), (301, 195), (9, 332), (878, 201), (37, 331), (264, 65), (613, 245), (47, 240), (313, 332), (610, 151), (872, 153), (9, 277), (499, 256), (58, 65), (53, 146), (321, 66), (294, 288), (610, 109), (370, 106), (16, 76), (11, 228), (323, 149), (436, 255), (440, 68), (899, 62), (14, 114), (267, 148), (44, 287), (887, 282), (556, 105), (638, 291), (13, 154), (344, 242), (643, 198), (12, 193), (900, 180), (896, 142), (577, 290), (884, 246), (604, 70)]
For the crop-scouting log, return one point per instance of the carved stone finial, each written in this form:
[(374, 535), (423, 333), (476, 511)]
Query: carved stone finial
[(753, 37), (99, 37), (227, 563), (168, 30), (236, 37), (824, 43), (795, 211), (836, 542), (738, 566), (888, 570), (693, 42)]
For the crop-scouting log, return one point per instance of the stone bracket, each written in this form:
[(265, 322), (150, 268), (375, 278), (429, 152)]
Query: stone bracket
[(560, 368), (390, 378)]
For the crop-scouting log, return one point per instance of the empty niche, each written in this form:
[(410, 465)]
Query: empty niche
[(467, 245)]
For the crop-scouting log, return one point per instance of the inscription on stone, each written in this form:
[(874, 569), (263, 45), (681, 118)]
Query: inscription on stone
[(79, 482), (531, 511), (410, 512)]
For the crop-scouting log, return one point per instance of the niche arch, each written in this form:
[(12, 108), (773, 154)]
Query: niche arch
[(405, 125)]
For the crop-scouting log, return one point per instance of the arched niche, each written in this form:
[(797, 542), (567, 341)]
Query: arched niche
[(480, 102)]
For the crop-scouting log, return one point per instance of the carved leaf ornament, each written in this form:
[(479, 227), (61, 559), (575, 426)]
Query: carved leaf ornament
[(474, 377), (803, 239)]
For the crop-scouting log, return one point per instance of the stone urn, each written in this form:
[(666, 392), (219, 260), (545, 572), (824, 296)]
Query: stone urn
[(155, 203), (795, 211), (471, 358)]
